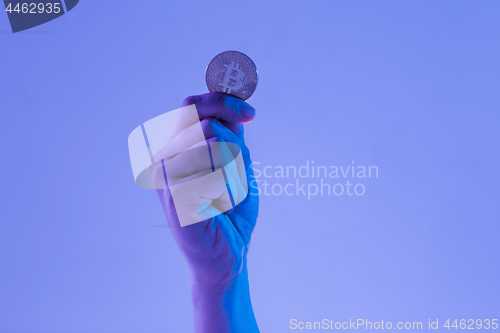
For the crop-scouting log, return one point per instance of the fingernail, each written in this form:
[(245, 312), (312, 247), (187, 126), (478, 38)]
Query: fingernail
[(248, 112)]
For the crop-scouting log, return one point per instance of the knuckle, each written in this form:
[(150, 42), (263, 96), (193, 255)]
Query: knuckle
[(194, 99), (213, 124), (209, 125), (204, 123)]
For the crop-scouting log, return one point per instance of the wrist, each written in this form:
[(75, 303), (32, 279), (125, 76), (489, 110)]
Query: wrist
[(224, 308)]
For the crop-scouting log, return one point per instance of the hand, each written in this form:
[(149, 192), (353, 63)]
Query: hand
[(216, 248)]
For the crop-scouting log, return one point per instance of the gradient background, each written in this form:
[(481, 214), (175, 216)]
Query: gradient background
[(409, 86)]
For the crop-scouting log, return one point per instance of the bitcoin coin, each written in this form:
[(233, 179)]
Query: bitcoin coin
[(233, 73)]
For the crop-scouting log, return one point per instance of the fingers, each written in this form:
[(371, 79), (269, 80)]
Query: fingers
[(187, 153), (225, 150), (249, 206), (201, 198), (231, 110), (198, 161), (189, 137), (188, 161), (209, 155), (214, 128), (235, 128)]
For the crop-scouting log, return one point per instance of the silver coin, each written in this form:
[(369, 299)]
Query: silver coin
[(233, 73)]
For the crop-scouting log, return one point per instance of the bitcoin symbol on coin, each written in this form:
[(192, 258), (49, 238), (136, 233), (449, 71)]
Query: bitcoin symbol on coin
[(230, 71), (233, 73)]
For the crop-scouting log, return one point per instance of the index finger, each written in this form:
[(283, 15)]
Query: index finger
[(221, 107)]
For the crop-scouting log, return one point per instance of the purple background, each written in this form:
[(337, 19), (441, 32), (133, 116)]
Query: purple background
[(412, 87)]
